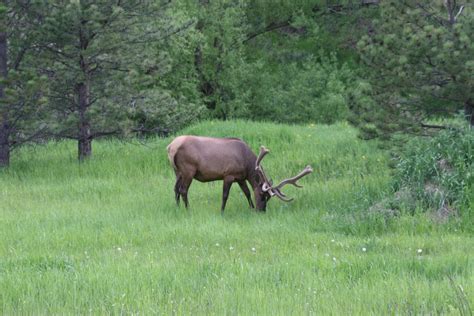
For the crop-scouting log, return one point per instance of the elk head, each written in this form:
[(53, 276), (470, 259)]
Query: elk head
[(266, 189)]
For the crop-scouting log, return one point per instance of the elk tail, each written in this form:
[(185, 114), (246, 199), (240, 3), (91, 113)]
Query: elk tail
[(173, 149), (171, 155)]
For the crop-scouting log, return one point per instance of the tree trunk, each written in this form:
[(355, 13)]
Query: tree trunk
[(85, 141), (4, 144), (450, 7), (469, 111), (4, 120), (85, 137)]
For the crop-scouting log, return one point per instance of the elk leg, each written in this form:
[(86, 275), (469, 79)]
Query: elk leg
[(246, 191), (225, 192), (184, 188), (176, 189)]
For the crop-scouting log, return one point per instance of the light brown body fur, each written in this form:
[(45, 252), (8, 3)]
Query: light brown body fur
[(208, 159)]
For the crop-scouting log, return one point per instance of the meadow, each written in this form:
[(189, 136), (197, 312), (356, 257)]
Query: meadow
[(106, 237)]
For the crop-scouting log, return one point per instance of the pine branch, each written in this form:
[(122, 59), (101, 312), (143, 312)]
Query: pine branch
[(104, 133), (269, 28), (39, 134)]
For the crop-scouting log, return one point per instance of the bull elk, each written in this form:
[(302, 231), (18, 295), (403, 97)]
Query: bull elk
[(229, 159)]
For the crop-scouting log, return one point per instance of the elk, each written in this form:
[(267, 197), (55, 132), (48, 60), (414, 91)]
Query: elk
[(229, 159)]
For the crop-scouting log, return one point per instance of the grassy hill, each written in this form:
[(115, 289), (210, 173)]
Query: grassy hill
[(106, 236)]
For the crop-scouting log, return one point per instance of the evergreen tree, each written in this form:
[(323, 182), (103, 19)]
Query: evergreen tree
[(21, 84), (421, 55), (100, 56)]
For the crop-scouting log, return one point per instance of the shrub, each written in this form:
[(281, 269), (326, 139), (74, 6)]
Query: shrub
[(314, 89), (438, 171)]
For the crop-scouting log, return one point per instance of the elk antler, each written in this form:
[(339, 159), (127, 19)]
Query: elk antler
[(293, 180), (281, 195), (263, 152), (267, 185), (277, 189)]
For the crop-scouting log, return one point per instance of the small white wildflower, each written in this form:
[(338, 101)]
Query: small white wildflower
[(119, 249), (364, 249), (332, 240), (253, 249), (334, 259), (419, 250), (217, 244), (231, 248)]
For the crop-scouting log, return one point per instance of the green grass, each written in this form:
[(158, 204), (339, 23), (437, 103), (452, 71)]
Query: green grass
[(106, 237)]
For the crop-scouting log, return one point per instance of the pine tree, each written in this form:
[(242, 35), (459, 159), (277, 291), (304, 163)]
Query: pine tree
[(22, 86), (421, 55), (99, 54)]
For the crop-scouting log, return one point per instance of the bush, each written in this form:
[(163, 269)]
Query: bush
[(314, 89), (438, 172)]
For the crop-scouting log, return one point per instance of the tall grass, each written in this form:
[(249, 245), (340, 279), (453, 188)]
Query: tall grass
[(105, 236)]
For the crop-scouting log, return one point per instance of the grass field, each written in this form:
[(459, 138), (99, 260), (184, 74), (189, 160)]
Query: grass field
[(105, 236)]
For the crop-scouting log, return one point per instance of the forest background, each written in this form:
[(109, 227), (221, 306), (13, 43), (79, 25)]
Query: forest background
[(88, 69)]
